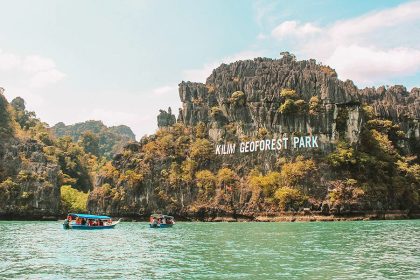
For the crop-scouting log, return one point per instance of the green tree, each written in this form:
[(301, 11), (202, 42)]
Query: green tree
[(73, 200), (201, 150), (288, 93), (205, 179), (90, 143), (289, 198), (226, 177), (288, 107)]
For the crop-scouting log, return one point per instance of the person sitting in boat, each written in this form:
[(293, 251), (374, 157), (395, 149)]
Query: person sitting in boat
[(154, 221), (83, 222)]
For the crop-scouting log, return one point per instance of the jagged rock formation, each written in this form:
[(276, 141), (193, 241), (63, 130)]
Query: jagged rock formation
[(165, 119), (361, 134), (399, 105), (261, 81), (111, 140), (29, 181)]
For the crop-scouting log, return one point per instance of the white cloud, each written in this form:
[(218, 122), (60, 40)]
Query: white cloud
[(8, 61), (368, 49), (111, 117), (261, 36), (36, 63), (370, 22), (201, 74), (371, 64), (264, 12), (26, 72), (160, 91), (293, 28)]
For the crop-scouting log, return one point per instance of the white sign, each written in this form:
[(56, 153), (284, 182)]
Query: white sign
[(269, 145)]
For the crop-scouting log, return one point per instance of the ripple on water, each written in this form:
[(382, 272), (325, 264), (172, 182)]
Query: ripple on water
[(339, 250)]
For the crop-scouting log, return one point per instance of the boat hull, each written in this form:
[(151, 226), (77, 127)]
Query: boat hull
[(84, 227), (67, 225), (160, 225)]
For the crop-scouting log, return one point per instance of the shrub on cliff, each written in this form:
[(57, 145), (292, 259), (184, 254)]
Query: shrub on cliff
[(188, 170), (8, 189), (216, 111), (328, 70), (288, 93), (297, 173), (301, 106), (266, 183), (289, 198), (206, 181), (226, 177), (345, 193), (201, 150), (291, 102), (73, 200), (288, 107), (74, 163), (90, 143), (25, 119), (314, 105), (238, 98), (7, 125)]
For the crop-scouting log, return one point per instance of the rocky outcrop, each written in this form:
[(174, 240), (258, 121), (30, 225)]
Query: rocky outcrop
[(261, 81), (110, 140), (30, 184), (402, 107), (29, 181), (165, 118), (267, 99)]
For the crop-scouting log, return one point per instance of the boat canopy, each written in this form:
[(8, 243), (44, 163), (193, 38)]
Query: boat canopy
[(88, 216), (161, 216)]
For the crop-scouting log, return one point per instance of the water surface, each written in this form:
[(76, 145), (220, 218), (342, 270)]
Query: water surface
[(329, 250)]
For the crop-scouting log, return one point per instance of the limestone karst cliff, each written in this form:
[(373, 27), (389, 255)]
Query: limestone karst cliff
[(110, 140), (367, 157), (29, 180), (358, 150)]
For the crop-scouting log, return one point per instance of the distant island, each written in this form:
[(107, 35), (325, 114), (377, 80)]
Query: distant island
[(365, 164)]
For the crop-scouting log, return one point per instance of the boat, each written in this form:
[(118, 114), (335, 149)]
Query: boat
[(161, 221), (88, 222)]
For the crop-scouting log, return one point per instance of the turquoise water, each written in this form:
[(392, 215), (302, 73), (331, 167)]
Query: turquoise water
[(329, 250)]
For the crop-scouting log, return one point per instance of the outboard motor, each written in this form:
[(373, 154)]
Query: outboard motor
[(66, 224)]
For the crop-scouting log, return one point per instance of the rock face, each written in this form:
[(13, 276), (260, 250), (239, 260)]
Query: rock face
[(111, 140), (266, 98), (402, 107), (29, 182), (165, 119), (261, 81)]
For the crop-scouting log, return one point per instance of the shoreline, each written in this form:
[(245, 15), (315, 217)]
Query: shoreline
[(285, 217)]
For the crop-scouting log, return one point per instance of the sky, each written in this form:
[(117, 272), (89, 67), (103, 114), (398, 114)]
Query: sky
[(122, 61)]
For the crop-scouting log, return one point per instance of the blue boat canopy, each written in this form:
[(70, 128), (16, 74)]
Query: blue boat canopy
[(88, 216)]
